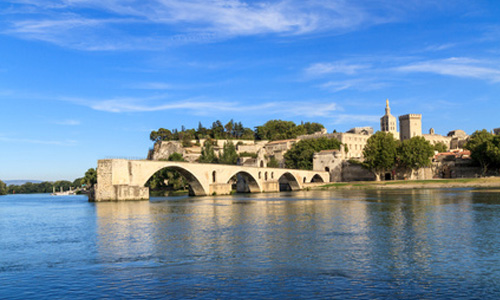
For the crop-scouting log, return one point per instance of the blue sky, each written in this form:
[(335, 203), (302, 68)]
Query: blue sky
[(82, 80)]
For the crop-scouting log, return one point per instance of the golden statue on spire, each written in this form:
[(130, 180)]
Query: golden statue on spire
[(387, 102)]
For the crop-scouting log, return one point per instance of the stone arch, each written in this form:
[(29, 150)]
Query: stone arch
[(317, 178), (195, 186), (246, 182), (288, 182)]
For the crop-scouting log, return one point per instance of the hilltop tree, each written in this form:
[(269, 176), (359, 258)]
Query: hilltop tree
[(415, 153), (229, 155), (208, 153), (380, 153), (300, 156)]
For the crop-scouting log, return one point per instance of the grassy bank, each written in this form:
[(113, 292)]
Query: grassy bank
[(492, 182)]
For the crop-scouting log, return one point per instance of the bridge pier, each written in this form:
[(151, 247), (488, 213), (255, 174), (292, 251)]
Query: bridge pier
[(220, 189), (270, 186)]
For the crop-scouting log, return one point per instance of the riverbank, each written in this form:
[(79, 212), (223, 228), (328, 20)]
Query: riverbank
[(490, 182)]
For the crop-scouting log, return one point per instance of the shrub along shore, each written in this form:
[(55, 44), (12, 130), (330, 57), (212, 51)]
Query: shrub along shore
[(489, 182)]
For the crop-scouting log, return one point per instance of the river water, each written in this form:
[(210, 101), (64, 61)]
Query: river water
[(395, 244)]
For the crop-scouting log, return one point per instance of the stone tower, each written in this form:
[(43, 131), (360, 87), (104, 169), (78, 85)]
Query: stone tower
[(409, 126), (388, 121)]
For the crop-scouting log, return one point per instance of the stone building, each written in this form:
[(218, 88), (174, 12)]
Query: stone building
[(388, 122), (458, 139), (410, 125), (353, 144), (329, 161), (434, 138), (277, 149)]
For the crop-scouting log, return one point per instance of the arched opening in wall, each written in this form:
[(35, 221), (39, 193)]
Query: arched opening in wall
[(288, 182), (265, 176), (327, 169), (304, 179), (317, 178), (214, 178), (243, 182), (174, 180), (262, 164)]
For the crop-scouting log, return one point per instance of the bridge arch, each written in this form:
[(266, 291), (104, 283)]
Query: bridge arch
[(317, 178), (249, 185), (195, 186), (288, 181)]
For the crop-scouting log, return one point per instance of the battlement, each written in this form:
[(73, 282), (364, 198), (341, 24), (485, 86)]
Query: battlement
[(410, 116)]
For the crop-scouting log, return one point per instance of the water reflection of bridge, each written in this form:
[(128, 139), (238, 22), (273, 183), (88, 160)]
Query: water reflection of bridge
[(120, 179)]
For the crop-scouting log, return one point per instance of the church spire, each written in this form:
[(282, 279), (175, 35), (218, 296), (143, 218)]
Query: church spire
[(387, 108)]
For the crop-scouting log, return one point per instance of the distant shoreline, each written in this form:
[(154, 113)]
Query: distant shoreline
[(490, 182)]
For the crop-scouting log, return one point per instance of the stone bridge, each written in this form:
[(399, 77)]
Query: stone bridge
[(121, 179)]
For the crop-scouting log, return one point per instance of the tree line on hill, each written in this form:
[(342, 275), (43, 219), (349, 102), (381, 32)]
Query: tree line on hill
[(87, 181), (271, 130)]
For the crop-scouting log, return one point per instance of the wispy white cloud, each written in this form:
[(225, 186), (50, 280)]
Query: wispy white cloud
[(163, 23), (202, 106), (363, 84), (38, 142), (152, 86), (318, 69), (456, 67), (439, 47), (68, 122)]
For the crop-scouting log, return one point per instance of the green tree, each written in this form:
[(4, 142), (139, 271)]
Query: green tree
[(90, 178), (77, 182), (273, 163), (481, 148), (440, 147), (380, 153), (176, 157), (229, 155), (218, 131), (276, 130), (3, 188), (208, 153), (300, 156), (415, 153), (161, 135), (311, 128), (493, 150)]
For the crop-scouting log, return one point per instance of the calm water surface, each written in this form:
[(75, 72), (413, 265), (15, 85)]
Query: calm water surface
[(405, 244)]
